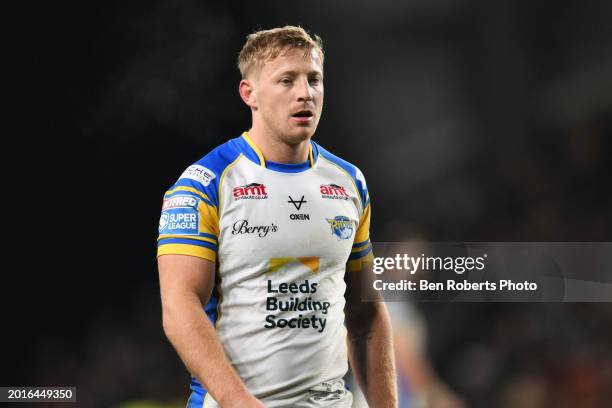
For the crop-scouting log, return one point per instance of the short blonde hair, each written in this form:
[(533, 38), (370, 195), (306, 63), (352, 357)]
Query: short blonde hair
[(265, 45)]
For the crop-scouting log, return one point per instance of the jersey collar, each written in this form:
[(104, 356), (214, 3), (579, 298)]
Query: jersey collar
[(252, 152)]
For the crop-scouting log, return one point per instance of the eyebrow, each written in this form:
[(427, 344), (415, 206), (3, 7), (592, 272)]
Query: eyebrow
[(294, 73)]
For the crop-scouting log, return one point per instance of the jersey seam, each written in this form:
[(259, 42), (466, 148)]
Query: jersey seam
[(350, 177), (221, 179)]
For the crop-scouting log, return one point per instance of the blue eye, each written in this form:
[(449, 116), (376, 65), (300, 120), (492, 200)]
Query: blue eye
[(285, 81)]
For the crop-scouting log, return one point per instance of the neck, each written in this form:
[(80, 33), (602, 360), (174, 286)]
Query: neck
[(276, 150)]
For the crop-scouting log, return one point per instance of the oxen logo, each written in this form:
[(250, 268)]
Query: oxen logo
[(334, 192), (252, 191), (342, 227)]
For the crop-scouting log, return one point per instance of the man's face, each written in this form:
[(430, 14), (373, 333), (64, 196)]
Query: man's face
[(288, 95)]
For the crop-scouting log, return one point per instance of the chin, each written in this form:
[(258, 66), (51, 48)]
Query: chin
[(300, 135)]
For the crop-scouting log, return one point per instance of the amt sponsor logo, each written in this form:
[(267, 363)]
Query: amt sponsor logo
[(334, 192), (243, 227), (250, 191)]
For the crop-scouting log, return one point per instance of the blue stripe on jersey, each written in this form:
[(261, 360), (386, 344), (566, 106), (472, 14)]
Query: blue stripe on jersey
[(164, 241), (288, 168), (207, 235), (196, 400), (361, 244), (184, 182), (211, 306), (360, 254), (202, 234), (351, 170)]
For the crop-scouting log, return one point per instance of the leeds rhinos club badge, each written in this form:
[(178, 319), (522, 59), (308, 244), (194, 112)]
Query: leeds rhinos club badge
[(342, 227)]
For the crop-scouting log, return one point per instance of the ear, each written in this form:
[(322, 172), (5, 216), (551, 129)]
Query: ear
[(247, 93)]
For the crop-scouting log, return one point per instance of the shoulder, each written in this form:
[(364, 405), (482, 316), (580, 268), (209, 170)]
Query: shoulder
[(209, 168), (202, 177), (353, 171)]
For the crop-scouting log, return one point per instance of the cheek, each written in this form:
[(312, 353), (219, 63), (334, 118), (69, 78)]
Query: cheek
[(319, 95), (276, 99)]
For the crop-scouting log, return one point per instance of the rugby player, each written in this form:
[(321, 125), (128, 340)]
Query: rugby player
[(262, 245)]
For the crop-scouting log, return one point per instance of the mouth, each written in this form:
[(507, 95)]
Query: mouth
[(303, 116), (306, 113)]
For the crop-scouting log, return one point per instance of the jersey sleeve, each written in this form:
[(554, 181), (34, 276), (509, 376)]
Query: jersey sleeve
[(361, 252), (189, 222)]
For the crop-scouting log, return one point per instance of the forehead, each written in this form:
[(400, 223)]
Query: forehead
[(293, 59)]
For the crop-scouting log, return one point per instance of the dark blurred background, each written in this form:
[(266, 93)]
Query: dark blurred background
[(472, 121)]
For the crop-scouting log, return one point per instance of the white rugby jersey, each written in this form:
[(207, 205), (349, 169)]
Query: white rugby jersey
[(282, 237)]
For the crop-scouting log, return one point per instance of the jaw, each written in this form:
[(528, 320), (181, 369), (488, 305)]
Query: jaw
[(292, 132), (302, 129)]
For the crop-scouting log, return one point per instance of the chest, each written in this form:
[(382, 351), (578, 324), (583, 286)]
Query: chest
[(266, 214)]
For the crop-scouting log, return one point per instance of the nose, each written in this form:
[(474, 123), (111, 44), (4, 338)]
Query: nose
[(304, 91)]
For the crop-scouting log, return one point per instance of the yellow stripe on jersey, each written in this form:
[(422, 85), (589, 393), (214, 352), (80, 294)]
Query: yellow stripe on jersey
[(361, 238), (209, 219), (355, 265), (189, 189), (205, 400), (262, 161), (310, 156), (277, 263), (186, 249), (229, 166), (311, 262), (363, 232)]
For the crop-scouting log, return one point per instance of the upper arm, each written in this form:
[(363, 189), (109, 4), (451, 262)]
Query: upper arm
[(183, 277), (188, 237)]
